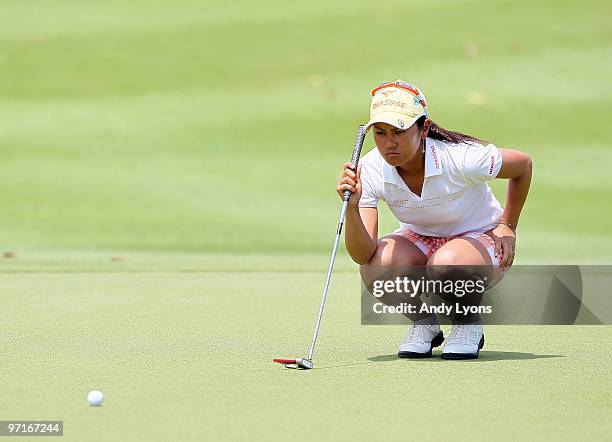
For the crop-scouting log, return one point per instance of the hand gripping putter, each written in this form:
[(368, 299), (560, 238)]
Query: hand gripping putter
[(306, 363)]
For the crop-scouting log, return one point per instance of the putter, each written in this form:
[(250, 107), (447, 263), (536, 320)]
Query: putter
[(306, 363)]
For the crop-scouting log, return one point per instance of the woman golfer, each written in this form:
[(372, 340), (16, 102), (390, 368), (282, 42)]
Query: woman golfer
[(434, 181)]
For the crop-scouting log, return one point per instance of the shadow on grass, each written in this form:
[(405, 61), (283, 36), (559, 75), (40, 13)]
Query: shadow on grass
[(484, 356)]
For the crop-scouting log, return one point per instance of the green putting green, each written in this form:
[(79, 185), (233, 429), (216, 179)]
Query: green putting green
[(184, 352), (168, 206)]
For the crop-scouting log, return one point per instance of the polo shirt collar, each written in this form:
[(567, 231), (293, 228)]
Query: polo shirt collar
[(433, 165), (433, 159)]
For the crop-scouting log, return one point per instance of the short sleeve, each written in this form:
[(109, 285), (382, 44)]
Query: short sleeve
[(481, 163), (369, 195)]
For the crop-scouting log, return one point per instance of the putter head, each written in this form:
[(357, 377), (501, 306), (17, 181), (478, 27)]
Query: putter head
[(301, 363)]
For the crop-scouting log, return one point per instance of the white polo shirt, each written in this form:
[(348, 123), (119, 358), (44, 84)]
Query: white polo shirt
[(455, 198)]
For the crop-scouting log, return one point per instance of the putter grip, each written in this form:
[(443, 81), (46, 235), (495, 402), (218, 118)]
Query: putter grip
[(361, 133)]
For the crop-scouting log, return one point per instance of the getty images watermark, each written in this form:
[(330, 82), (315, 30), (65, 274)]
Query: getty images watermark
[(526, 295), (413, 288)]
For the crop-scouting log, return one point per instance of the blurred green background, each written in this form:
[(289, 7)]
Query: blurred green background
[(209, 127)]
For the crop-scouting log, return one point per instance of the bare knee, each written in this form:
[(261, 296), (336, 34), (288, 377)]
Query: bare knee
[(458, 259), (396, 250), (394, 256), (463, 251), (445, 257)]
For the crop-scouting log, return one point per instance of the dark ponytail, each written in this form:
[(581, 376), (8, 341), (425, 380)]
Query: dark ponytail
[(439, 133)]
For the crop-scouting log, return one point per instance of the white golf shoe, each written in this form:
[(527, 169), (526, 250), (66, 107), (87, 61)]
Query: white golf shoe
[(464, 342), (422, 336)]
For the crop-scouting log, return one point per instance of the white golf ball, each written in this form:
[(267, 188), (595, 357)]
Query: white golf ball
[(95, 398)]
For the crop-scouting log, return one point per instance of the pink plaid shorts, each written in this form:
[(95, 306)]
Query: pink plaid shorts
[(429, 244)]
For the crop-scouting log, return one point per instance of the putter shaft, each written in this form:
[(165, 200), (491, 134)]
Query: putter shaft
[(329, 273), (347, 194)]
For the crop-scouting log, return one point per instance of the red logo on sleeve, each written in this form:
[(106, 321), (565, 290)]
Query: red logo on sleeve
[(492, 164)]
